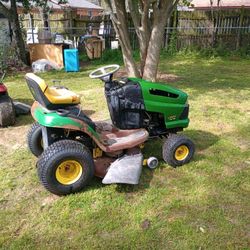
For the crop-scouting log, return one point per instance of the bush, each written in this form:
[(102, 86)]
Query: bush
[(219, 51), (9, 58)]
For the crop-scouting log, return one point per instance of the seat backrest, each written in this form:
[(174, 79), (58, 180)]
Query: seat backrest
[(37, 88)]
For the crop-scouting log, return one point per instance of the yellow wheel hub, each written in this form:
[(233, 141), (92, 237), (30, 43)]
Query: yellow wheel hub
[(181, 153), (69, 172)]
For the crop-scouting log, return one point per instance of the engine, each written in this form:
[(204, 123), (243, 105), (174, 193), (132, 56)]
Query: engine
[(126, 105), (136, 103)]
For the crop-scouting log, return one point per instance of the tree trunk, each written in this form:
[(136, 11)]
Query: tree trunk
[(144, 38), (120, 24), (149, 36), (142, 27), (153, 54), (155, 42), (44, 15), (45, 20), (19, 39), (127, 53), (12, 16), (4, 11)]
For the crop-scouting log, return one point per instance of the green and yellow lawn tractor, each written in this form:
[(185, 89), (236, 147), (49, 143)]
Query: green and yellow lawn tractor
[(72, 148)]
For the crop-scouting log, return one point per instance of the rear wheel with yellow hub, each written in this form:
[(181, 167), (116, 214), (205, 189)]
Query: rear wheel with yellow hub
[(65, 167), (177, 150)]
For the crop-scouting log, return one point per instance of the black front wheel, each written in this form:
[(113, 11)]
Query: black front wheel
[(65, 167), (177, 150), (35, 139)]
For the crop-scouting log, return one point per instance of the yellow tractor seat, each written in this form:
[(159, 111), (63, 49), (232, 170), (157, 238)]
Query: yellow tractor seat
[(50, 97)]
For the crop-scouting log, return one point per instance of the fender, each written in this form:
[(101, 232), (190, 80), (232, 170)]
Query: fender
[(51, 119)]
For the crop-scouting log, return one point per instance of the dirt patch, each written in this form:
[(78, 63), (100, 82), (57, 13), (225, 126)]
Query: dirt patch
[(49, 200), (13, 138), (20, 227), (145, 224), (232, 170), (163, 77)]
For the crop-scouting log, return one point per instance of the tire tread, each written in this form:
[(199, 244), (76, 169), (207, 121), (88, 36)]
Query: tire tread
[(31, 141), (56, 149), (169, 147)]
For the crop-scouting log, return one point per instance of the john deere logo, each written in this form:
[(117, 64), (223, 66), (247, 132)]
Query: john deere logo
[(172, 117)]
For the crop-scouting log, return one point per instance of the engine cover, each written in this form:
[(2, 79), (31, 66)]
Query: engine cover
[(126, 105)]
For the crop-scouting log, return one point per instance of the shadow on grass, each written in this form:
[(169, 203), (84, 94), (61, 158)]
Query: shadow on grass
[(202, 139), (22, 120), (144, 183)]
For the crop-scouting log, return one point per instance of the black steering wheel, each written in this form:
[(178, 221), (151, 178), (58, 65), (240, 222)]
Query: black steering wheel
[(104, 71)]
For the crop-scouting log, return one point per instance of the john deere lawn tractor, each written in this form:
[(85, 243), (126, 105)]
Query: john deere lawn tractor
[(71, 148)]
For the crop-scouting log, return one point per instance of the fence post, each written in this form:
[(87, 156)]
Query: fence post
[(175, 26), (31, 24), (166, 33), (238, 41), (10, 31), (71, 20)]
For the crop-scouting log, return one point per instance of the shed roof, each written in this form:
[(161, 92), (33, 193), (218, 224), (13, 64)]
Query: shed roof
[(204, 4), (81, 4)]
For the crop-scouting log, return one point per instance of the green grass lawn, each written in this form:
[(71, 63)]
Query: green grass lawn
[(202, 205)]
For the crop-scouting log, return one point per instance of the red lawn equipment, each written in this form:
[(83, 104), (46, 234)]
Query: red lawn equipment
[(7, 110)]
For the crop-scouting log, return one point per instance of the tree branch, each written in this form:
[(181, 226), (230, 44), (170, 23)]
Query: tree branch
[(173, 7), (133, 9), (145, 16), (135, 15), (121, 29), (112, 11), (109, 4)]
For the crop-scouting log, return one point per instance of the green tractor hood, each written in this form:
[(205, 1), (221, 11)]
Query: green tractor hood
[(171, 102)]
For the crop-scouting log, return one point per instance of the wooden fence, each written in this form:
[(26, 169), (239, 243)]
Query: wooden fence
[(66, 23), (230, 28)]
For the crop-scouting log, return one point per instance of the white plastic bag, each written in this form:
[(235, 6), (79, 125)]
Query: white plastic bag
[(43, 65)]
